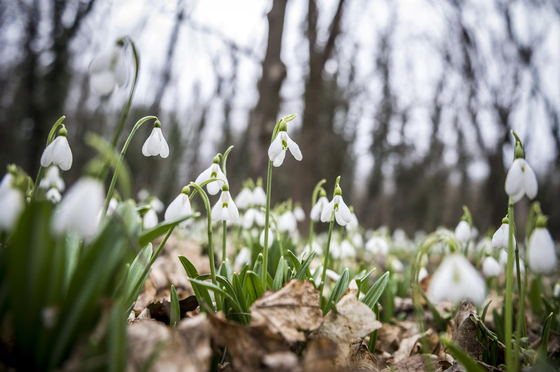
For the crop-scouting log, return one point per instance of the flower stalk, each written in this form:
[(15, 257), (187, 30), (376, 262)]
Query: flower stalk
[(510, 354)]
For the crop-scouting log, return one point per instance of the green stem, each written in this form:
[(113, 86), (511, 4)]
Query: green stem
[(126, 109), (324, 273), (266, 224), (156, 253), (316, 191), (224, 236), (120, 161), (41, 171), (373, 335), (510, 353)]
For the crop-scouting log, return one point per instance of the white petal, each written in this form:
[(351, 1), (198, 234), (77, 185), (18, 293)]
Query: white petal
[(174, 209), (164, 149), (217, 211), (249, 218), (514, 179), (318, 207), (530, 183), (62, 155), (103, 82), (491, 267), (102, 62), (12, 204), (294, 148), (214, 187), (275, 148), (121, 73), (279, 159), (150, 219), (233, 211), (204, 176), (259, 196), (541, 253), (154, 142), (517, 197), (344, 211), (327, 211)]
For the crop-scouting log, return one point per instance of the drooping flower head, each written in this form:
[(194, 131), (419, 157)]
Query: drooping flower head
[(213, 171), (521, 179), (58, 152), (283, 142), (108, 70), (463, 231), (150, 219), (52, 179), (378, 245), (341, 211), (541, 251), (491, 267), (225, 208), (353, 224), (156, 143), (287, 222), (180, 206), (259, 196), (299, 212), (12, 200), (317, 209), (500, 239), (253, 216)]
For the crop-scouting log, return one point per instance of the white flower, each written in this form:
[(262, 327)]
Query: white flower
[(244, 199), (501, 237), (287, 222), (299, 213), (150, 219), (143, 195), (318, 208), (357, 240), (334, 250), (484, 244), (107, 70), (52, 179), (78, 211), (12, 203), (341, 211), (541, 251), (316, 247), (397, 266), (347, 249), (353, 224), (259, 196), (521, 180), (113, 204), (270, 238), (556, 291), (378, 245), (491, 267), (422, 274), (225, 208), (157, 204), (58, 152), (156, 143), (463, 232), (278, 147), (53, 195), (180, 206), (212, 171), (455, 280), (244, 257), (253, 216)]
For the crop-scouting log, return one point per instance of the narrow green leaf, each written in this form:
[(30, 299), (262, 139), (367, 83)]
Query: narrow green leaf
[(440, 322), (339, 288), (458, 353), (376, 291), (218, 291), (483, 317), (302, 271), (175, 308), (155, 232), (117, 338), (137, 275), (201, 293), (543, 348), (295, 262), (279, 277), (257, 283)]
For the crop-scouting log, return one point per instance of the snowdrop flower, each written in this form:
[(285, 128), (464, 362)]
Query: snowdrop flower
[(287, 222), (377, 245), (180, 206), (270, 237), (455, 280), (463, 232), (157, 204), (253, 216), (353, 224), (283, 142), (541, 251), (156, 143), (52, 179), (259, 196), (334, 249), (319, 206), (347, 249), (79, 209), (299, 213), (225, 208), (484, 244), (244, 199), (341, 211), (58, 152), (213, 171), (357, 240), (107, 70), (12, 202), (143, 195), (53, 195), (491, 267), (422, 274), (315, 246), (244, 257), (397, 266), (501, 236), (150, 219), (521, 180)]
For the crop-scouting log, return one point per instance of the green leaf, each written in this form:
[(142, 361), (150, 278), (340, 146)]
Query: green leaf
[(376, 291), (201, 293), (483, 317), (239, 293), (137, 275), (224, 159), (339, 288), (543, 348), (441, 324), (257, 283), (155, 232), (302, 271), (458, 353), (279, 277), (295, 262), (218, 291), (117, 338), (175, 308)]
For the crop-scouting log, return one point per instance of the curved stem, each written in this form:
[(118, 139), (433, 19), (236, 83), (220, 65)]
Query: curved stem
[(119, 163), (510, 357), (209, 213), (126, 109), (266, 224), (41, 171)]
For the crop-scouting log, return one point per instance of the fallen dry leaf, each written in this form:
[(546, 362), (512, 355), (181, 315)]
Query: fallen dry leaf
[(465, 330), (417, 362), (290, 311)]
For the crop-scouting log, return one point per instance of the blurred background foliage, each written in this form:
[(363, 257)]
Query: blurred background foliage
[(411, 102)]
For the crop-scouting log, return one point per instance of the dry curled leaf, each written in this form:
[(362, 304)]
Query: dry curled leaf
[(290, 311), (465, 330)]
